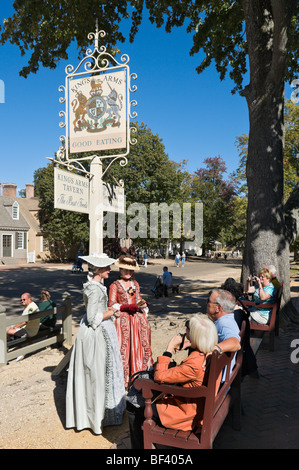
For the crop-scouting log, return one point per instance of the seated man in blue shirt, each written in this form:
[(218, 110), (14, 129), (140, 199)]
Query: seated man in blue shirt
[(220, 309), (167, 280)]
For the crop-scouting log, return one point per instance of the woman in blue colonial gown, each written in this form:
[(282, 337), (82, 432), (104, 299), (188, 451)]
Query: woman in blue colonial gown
[(95, 394)]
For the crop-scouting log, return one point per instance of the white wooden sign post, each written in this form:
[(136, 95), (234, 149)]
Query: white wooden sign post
[(95, 207)]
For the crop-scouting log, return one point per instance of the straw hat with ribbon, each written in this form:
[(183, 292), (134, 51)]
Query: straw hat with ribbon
[(127, 262)]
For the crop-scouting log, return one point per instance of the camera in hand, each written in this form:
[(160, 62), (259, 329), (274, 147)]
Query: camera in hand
[(183, 341)]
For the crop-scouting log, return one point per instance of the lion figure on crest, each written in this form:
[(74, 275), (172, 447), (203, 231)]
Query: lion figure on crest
[(79, 105)]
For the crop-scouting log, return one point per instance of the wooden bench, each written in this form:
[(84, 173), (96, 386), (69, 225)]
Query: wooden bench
[(174, 288), (174, 285), (273, 327), (216, 404), (61, 333), (158, 289)]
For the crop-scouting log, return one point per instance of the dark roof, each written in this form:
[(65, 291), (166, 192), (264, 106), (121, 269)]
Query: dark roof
[(6, 220)]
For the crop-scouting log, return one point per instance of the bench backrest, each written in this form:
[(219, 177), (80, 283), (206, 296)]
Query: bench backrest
[(275, 308), (218, 363), (279, 295)]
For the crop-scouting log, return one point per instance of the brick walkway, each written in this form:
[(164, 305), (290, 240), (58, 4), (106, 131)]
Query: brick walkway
[(270, 402)]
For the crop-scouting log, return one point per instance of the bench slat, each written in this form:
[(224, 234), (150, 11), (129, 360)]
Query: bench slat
[(40, 334), (35, 346)]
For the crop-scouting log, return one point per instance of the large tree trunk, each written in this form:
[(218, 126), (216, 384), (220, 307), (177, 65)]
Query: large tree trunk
[(267, 241)]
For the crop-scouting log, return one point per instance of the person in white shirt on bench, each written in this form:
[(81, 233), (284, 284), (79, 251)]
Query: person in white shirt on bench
[(29, 328)]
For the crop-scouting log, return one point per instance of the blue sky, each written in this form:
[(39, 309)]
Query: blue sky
[(196, 116)]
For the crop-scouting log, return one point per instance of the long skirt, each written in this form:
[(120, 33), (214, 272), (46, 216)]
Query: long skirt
[(95, 389), (134, 336), (115, 394), (85, 395)]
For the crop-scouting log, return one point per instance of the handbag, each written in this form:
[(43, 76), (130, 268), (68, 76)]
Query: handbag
[(134, 396)]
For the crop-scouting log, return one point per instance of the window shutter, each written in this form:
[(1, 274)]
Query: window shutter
[(16, 240), (25, 240)]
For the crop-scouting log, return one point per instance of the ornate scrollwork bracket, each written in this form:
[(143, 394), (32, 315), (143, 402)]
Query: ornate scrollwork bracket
[(97, 63)]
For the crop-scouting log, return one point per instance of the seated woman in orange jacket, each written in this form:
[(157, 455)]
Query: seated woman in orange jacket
[(179, 412)]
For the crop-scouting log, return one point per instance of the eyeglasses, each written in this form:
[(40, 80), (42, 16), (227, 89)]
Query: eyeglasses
[(209, 302), (23, 300)]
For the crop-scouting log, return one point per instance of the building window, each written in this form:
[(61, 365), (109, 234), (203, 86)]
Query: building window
[(44, 244), (15, 211), (21, 240)]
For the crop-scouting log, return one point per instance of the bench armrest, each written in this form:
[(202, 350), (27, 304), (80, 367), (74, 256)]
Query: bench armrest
[(258, 305), (147, 386)]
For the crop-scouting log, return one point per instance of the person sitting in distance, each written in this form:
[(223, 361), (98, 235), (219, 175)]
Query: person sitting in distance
[(264, 293), (47, 304), (274, 280), (29, 328)]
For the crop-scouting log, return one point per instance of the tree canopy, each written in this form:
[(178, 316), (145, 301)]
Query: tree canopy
[(45, 30), (221, 210), (291, 152), (218, 27), (150, 175)]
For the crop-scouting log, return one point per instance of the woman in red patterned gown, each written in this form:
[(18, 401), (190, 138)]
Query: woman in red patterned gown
[(132, 327)]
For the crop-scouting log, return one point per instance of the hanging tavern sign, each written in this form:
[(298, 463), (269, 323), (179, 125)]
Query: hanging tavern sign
[(71, 191), (97, 110)]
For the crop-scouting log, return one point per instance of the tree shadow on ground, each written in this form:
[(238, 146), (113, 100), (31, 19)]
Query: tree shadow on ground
[(33, 279)]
